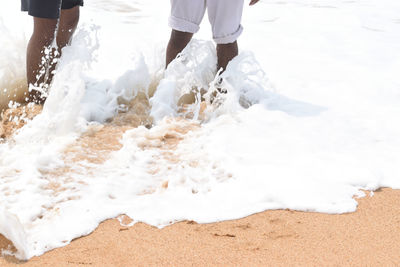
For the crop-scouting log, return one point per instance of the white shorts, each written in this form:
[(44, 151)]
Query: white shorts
[(225, 17)]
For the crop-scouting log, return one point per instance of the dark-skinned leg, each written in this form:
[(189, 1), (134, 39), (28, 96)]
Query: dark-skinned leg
[(68, 22), (225, 53), (42, 37), (69, 19), (178, 41), (39, 72)]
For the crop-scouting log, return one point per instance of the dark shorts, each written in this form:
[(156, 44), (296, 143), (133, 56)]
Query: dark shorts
[(49, 9)]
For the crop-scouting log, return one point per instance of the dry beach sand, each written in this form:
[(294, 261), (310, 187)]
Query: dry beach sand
[(368, 237)]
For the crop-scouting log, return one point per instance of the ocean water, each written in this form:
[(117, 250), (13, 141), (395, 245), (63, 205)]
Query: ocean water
[(309, 120)]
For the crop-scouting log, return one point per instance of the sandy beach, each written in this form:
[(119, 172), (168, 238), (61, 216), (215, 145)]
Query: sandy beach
[(368, 237), (272, 172)]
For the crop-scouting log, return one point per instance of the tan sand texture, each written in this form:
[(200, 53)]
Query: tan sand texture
[(14, 119), (368, 237), (14, 92)]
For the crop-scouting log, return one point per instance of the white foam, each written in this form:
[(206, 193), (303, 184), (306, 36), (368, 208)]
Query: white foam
[(12, 61), (307, 122), (192, 72)]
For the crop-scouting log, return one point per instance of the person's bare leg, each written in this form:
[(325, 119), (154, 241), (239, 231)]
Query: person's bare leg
[(225, 53), (68, 22), (42, 37), (69, 19), (178, 41), (39, 66)]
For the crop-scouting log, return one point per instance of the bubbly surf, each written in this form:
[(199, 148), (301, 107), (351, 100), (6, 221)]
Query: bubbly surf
[(308, 121)]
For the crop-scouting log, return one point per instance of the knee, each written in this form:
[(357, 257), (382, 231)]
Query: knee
[(69, 19), (44, 31)]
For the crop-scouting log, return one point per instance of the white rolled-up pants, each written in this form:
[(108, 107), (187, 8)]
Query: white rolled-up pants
[(225, 17)]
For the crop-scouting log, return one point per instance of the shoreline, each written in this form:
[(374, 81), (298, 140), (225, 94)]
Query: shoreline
[(277, 237)]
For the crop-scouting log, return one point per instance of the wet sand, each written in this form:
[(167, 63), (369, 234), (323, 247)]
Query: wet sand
[(368, 237), (14, 119)]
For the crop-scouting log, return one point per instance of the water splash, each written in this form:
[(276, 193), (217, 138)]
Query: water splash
[(119, 135)]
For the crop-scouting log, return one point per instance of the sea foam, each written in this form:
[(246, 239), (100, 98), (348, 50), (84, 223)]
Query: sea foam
[(120, 135)]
